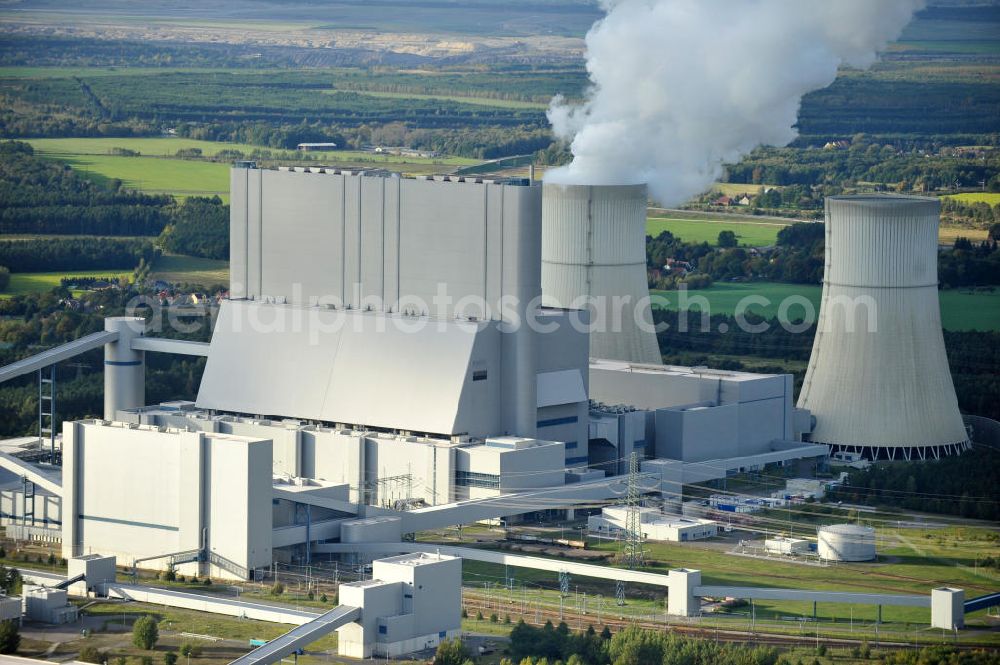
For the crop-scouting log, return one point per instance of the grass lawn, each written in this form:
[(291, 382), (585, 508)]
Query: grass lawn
[(992, 198), (912, 561), (960, 309), (191, 270), (22, 283)]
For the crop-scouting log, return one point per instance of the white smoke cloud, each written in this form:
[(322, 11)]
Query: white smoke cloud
[(680, 87)]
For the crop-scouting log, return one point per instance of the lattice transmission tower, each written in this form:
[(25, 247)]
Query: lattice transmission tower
[(634, 555)]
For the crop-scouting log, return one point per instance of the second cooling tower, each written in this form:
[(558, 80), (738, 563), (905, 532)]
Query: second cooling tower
[(594, 257), (878, 381)]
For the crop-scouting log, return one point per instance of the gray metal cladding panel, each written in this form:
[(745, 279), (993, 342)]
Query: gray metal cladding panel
[(442, 239), (254, 197), (353, 367), (352, 238), (373, 239), (238, 232), (494, 243), (390, 272), (302, 234), (522, 241)]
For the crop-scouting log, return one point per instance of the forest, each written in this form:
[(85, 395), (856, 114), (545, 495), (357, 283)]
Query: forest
[(690, 338), (39, 196), (958, 485), (69, 253)]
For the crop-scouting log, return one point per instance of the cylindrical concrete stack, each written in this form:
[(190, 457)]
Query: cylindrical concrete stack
[(124, 368), (878, 381), (594, 257)]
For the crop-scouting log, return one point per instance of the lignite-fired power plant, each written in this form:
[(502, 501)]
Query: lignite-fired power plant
[(343, 404)]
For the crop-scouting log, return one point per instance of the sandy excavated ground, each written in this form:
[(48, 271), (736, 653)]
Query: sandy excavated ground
[(289, 35)]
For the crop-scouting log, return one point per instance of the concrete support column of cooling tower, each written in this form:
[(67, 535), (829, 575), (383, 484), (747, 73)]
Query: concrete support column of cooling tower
[(878, 381), (124, 369), (594, 257), (522, 260)]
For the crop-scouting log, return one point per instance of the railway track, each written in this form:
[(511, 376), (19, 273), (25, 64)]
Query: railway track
[(541, 614)]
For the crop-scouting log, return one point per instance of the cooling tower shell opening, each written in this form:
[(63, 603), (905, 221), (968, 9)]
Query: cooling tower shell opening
[(594, 244), (878, 381), (846, 542)]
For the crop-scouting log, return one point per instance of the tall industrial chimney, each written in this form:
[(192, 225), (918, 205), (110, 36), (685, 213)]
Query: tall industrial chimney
[(878, 381), (594, 244)]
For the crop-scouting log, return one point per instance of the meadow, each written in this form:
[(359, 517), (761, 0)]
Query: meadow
[(157, 171), (37, 282), (993, 198), (748, 233), (961, 309), (179, 269)]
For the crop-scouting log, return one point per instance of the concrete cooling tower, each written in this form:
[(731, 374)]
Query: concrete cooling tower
[(594, 244), (878, 382)]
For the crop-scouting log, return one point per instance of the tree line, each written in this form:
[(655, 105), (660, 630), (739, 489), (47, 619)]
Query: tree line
[(963, 485), (798, 258), (555, 645), (69, 253)]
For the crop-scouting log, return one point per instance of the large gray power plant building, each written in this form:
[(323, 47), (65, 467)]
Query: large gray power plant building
[(878, 382), (594, 256), (385, 365)]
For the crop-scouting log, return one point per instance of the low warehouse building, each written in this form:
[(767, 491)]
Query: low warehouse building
[(653, 524), (785, 545)]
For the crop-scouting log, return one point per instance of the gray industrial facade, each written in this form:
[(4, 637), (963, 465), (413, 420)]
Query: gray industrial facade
[(383, 409)]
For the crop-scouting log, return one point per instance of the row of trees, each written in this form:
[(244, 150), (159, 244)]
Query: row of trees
[(632, 646)]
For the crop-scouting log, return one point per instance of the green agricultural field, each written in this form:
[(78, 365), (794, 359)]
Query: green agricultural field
[(993, 198), (22, 283), (155, 175), (960, 309), (748, 233), (155, 172), (179, 269), (168, 147), (477, 101)]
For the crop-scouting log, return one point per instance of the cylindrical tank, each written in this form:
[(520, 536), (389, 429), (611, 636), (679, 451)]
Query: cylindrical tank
[(878, 382), (846, 542), (124, 369), (594, 257)]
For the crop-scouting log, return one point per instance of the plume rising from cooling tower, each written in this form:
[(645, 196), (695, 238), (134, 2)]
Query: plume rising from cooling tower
[(878, 381), (681, 87)]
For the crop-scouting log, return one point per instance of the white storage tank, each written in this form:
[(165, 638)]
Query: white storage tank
[(846, 542)]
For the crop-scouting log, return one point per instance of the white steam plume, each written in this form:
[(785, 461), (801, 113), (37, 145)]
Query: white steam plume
[(681, 87)]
